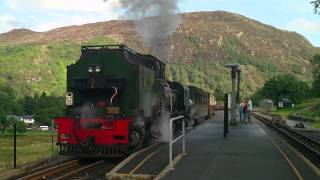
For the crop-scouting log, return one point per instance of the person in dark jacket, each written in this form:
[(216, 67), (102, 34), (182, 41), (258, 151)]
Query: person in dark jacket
[(245, 111)]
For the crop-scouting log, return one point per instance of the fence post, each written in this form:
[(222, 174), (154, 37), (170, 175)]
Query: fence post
[(170, 144), (171, 141), (226, 116), (14, 145), (184, 137)]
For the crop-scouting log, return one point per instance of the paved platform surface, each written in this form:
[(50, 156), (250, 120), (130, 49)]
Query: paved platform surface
[(246, 153)]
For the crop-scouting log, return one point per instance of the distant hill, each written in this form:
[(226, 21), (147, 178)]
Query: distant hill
[(205, 41)]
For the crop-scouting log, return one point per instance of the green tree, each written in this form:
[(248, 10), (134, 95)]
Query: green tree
[(316, 5), (28, 105), (257, 97), (4, 123), (21, 127), (219, 93), (48, 107), (316, 74), (8, 99), (12, 121), (285, 86)]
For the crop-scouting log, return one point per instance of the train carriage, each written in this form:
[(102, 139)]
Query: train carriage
[(192, 102)]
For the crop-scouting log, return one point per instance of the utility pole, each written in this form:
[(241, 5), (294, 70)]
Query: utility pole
[(234, 68)]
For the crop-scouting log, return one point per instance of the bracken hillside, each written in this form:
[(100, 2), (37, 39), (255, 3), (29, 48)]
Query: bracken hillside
[(205, 41)]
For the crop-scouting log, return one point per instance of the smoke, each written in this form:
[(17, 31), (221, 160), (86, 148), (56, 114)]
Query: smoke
[(148, 103), (161, 127), (155, 21), (87, 110)]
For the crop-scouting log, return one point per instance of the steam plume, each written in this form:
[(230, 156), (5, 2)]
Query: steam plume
[(161, 127), (155, 21)]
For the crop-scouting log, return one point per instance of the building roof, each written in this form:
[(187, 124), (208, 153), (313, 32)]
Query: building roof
[(28, 116), (20, 117), (286, 100)]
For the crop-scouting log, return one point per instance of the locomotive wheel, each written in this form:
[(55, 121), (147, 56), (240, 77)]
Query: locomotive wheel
[(137, 137), (134, 138)]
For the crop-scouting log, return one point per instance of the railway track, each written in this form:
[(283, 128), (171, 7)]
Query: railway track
[(312, 134), (308, 146), (62, 171)]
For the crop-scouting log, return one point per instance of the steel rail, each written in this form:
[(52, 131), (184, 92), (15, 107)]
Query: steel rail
[(50, 171), (56, 172), (79, 170), (304, 142)]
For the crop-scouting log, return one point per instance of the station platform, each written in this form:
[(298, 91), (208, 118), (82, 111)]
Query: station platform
[(248, 152)]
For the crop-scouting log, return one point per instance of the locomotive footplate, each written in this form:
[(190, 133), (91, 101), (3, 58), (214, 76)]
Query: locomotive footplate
[(93, 150)]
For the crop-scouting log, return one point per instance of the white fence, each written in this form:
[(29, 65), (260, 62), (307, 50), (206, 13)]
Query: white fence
[(172, 141)]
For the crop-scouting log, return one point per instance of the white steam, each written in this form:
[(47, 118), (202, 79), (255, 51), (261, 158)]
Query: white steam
[(161, 127), (155, 21), (148, 103)]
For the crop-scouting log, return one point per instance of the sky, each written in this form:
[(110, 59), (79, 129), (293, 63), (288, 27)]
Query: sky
[(43, 15)]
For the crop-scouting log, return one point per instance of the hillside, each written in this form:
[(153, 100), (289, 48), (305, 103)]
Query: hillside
[(204, 42)]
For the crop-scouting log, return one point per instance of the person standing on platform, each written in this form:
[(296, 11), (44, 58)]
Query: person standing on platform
[(245, 109), (249, 110), (241, 114)]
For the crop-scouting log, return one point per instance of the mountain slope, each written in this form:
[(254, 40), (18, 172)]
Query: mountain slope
[(204, 42)]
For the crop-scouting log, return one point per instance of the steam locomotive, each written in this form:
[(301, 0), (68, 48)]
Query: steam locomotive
[(114, 97)]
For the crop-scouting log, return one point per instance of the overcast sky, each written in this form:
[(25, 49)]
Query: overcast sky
[(43, 15)]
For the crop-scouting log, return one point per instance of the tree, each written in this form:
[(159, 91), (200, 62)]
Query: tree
[(4, 123), (316, 74), (28, 105), (285, 86), (316, 5), (219, 93), (48, 107), (8, 99), (257, 97), (11, 121), (21, 127)]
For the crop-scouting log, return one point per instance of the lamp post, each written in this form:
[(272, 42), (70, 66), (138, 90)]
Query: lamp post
[(234, 69)]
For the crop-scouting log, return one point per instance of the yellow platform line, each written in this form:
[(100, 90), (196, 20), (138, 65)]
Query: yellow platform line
[(145, 159), (127, 160), (310, 164), (293, 167), (166, 170), (120, 176)]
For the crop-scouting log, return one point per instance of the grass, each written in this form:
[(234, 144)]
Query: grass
[(30, 147), (285, 112), (317, 124), (307, 108)]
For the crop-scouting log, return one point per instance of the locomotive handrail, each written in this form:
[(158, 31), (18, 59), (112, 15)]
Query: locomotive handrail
[(172, 141)]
